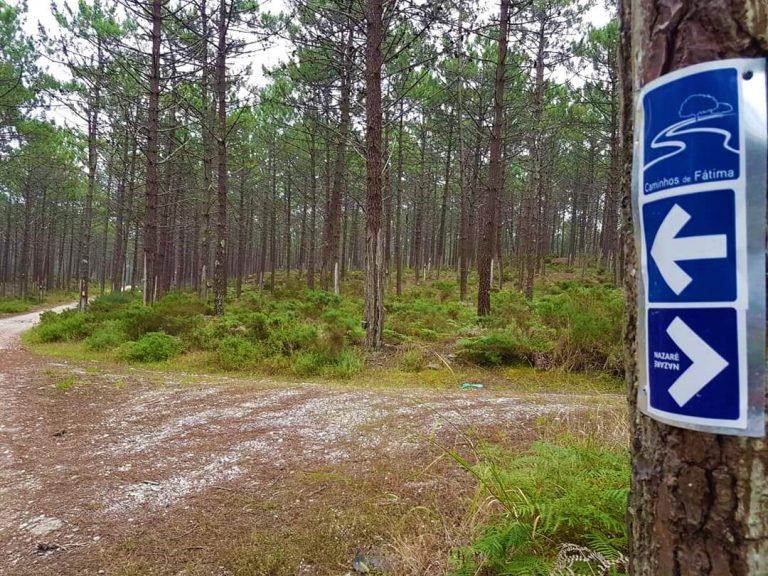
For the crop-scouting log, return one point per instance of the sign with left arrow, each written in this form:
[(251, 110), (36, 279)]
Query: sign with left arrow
[(699, 196)]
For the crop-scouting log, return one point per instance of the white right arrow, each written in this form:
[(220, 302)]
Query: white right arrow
[(668, 249), (705, 362)]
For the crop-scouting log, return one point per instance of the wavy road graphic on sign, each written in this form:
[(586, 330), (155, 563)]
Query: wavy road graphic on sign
[(661, 140)]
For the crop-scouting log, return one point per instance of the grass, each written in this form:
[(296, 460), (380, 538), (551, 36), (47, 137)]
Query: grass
[(11, 305), (573, 325), (65, 383), (554, 500), (509, 507), (14, 306), (424, 515)]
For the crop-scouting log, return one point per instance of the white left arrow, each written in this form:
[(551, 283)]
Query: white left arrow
[(668, 249), (705, 362)]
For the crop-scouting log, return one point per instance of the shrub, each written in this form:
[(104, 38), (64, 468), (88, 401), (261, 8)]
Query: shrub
[(572, 492), (106, 337), (509, 308), (175, 313), (310, 363), (345, 365), (138, 320), (504, 348), (338, 330), (13, 306), (446, 289), (291, 337), (589, 326), (236, 353), (107, 303), (64, 326), (307, 363), (412, 361), (241, 323), (427, 319), (179, 311), (152, 347)]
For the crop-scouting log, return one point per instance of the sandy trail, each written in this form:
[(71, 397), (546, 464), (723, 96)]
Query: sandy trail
[(11, 327), (83, 467)]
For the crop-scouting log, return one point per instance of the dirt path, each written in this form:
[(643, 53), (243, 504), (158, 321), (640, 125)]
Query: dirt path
[(90, 459), (11, 327)]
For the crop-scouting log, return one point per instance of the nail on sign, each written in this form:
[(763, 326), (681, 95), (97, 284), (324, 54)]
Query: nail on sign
[(699, 188)]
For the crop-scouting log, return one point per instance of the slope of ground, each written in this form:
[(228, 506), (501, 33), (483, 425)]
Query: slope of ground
[(141, 472)]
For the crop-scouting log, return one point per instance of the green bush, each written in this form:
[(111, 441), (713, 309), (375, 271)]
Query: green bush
[(290, 337), (175, 313), (152, 347), (589, 326), (108, 303), (509, 308), (236, 353), (504, 347), (572, 492), (62, 327), (427, 319), (345, 365), (412, 361), (307, 363), (107, 336), (13, 306), (311, 363)]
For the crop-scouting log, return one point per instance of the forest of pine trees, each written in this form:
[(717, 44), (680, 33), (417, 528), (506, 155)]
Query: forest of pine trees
[(404, 138)]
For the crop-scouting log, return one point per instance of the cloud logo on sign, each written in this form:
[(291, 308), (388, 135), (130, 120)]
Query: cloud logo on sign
[(700, 106)]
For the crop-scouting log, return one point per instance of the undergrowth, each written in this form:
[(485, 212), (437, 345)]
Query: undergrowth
[(561, 506), (572, 325), (13, 305)]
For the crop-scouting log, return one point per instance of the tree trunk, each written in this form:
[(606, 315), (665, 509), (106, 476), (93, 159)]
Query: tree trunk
[(153, 177), (93, 158), (495, 174), (241, 237), (220, 264), (287, 242), (313, 212), (699, 502), (374, 241), (332, 230), (440, 246), (399, 208)]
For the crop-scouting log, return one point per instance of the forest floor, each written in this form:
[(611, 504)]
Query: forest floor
[(124, 471)]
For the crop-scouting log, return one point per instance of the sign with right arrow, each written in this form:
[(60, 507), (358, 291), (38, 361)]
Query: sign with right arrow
[(699, 196)]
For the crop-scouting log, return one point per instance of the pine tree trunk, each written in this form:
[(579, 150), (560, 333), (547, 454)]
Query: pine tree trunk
[(332, 230), (399, 208), (699, 502), (440, 247), (495, 174), (153, 177), (220, 263), (374, 241), (93, 158)]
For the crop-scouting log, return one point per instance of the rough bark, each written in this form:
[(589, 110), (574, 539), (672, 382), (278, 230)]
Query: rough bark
[(152, 154), (220, 263), (399, 208), (374, 241), (699, 502), (495, 173), (332, 229), (93, 158)]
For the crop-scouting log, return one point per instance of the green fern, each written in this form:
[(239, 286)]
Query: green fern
[(567, 492)]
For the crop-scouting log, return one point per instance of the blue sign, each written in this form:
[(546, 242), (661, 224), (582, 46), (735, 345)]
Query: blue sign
[(691, 131), (690, 244), (699, 196), (693, 362)]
